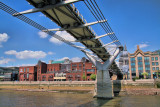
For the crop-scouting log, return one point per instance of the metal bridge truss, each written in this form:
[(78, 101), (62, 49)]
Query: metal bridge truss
[(67, 16)]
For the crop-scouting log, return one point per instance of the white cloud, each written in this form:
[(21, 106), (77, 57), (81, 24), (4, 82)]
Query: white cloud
[(76, 59), (26, 54), (3, 38), (62, 58), (51, 53), (5, 60), (42, 34), (11, 52), (26, 65), (143, 45), (63, 34)]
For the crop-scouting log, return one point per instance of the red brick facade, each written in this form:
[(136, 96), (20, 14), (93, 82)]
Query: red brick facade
[(89, 69), (28, 73), (48, 72)]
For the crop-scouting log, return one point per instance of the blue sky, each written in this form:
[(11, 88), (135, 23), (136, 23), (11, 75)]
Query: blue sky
[(135, 22)]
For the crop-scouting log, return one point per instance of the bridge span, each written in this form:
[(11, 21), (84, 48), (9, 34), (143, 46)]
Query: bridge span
[(68, 18)]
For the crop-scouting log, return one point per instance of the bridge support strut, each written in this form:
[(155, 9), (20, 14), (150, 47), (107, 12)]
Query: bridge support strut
[(103, 86)]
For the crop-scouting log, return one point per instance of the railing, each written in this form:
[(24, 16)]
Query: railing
[(81, 16)]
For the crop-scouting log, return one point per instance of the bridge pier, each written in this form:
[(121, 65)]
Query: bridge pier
[(103, 86)]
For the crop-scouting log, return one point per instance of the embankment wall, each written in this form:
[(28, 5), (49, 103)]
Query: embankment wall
[(120, 87)]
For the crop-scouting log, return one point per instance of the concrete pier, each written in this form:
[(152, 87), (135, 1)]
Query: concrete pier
[(103, 87)]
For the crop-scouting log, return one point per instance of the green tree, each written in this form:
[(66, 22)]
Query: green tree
[(93, 76), (84, 77), (157, 73), (145, 73)]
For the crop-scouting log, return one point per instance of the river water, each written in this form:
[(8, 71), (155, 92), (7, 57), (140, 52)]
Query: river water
[(10, 98)]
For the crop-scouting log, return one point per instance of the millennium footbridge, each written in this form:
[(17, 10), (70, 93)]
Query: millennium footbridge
[(68, 18)]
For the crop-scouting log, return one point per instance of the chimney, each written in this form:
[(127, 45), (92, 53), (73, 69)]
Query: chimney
[(137, 46)]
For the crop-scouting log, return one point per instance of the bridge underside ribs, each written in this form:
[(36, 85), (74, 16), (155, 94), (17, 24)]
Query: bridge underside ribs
[(68, 18)]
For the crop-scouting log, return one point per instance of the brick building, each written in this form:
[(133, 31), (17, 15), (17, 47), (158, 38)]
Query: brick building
[(65, 70), (28, 73), (89, 69)]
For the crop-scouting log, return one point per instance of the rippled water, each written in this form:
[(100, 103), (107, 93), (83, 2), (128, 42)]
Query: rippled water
[(10, 98)]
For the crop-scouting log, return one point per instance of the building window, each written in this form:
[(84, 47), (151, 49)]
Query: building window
[(90, 70), (140, 68), (146, 58), (156, 58), (157, 63), (157, 68), (27, 76), (50, 76), (132, 59), (27, 69), (51, 69), (133, 69), (133, 64), (147, 63), (74, 69), (139, 58), (133, 74), (69, 76), (43, 76), (153, 63), (80, 68), (21, 70), (24, 75), (24, 69), (153, 68), (147, 68), (126, 62), (74, 65), (140, 63), (152, 58)]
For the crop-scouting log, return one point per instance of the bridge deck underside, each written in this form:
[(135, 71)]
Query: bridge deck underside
[(66, 15)]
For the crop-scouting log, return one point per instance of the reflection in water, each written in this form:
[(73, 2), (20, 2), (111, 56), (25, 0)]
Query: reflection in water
[(10, 98)]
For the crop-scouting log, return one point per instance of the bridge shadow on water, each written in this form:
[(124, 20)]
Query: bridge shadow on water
[(116, 87), (99, 102), (115, 102), (95, 103)]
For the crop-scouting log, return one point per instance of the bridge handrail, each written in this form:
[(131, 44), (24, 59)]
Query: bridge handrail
[(81, 16)]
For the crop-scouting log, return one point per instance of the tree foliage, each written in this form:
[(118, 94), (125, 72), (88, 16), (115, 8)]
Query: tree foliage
[(158, 73), (145, 73), (93, 76), (84, 77)]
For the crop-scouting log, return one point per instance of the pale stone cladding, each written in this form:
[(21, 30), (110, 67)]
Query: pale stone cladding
[(140, 62)]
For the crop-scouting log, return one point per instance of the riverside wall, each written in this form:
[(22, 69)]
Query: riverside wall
[(67, 86), (120, 87), (138, 87)]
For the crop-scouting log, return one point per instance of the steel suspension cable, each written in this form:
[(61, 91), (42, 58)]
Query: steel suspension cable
[(95, 13), (25, 19), (103, 18), (97, 18)]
